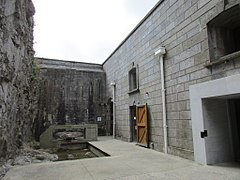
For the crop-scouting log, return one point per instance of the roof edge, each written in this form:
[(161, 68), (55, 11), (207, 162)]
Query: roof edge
[(46, 63), (77, 62)]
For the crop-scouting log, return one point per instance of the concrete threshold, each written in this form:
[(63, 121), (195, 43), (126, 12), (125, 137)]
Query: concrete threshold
[(127, 162)]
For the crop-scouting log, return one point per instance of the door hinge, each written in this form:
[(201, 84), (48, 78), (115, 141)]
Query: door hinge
[(203, 134)]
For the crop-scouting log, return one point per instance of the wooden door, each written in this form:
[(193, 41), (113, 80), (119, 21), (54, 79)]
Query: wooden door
[(142, 126)]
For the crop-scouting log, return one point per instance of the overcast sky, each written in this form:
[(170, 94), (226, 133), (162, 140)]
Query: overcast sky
[(85, 30)]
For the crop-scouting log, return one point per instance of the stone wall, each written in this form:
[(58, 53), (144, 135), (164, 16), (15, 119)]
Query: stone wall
[(181, 27), (16, 74), (71, 93)]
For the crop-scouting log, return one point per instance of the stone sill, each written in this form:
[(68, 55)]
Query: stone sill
[(223, 59), (134, 91)]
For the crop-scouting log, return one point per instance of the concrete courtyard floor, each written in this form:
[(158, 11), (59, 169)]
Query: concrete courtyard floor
[(127, 162)]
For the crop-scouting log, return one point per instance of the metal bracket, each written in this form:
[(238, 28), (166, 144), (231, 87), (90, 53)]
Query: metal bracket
[(203, 134)]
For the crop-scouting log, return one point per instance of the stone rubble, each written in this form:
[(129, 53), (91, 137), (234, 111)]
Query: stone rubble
[(27, 155), (68, 135)]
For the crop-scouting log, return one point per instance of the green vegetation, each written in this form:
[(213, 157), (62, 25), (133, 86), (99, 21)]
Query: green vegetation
[(36, 71)]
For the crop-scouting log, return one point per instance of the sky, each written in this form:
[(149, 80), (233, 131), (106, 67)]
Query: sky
[(85, 30)]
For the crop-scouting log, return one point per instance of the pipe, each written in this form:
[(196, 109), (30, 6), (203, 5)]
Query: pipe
[(160, 52), (113, 84)]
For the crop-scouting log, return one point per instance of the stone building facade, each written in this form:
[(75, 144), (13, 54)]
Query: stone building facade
[(201, 38), (71, 93), (17, 104), (182, 61)]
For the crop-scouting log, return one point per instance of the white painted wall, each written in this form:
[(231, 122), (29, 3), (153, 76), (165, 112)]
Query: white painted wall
[(217, 123), (216, 88)]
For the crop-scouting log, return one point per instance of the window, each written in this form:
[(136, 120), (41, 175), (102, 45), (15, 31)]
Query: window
[(224, 33), (133, 79)]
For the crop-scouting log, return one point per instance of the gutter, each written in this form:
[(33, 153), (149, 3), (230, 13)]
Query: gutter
[(113, 84)]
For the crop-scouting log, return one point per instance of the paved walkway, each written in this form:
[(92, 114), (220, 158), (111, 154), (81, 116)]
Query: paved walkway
[(127, 162)]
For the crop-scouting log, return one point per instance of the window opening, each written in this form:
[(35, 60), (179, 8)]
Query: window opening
[(133, 80), (223, 33)]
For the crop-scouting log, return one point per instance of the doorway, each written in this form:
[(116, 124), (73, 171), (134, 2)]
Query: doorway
[(234, 114), (221, 137), (215, 111), (133, 131), (110, 117)]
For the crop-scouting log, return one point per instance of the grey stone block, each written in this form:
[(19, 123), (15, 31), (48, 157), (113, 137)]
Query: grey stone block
[(187, 63), (185, 115), (183, 79), (173, 115), (183, 95), (200, 74)]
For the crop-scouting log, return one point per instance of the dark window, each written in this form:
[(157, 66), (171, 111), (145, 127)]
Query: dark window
[(99, 88), (224, 33), (133, 80)]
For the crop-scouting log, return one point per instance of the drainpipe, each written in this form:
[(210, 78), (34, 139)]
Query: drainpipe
[(113, 84), (160, 52)]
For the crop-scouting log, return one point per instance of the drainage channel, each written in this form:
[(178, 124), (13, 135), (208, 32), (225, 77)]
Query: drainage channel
[(78, 150)]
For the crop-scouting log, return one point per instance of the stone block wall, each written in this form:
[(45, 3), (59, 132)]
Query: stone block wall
[(16, 74), (71, 93), (181, 27)]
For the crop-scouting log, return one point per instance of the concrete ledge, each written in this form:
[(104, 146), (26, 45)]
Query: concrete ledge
[(47, 140)]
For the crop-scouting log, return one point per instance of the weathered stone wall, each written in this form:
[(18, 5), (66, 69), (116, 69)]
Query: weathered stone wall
[(71, 93), (180, 26), (16, 61)]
